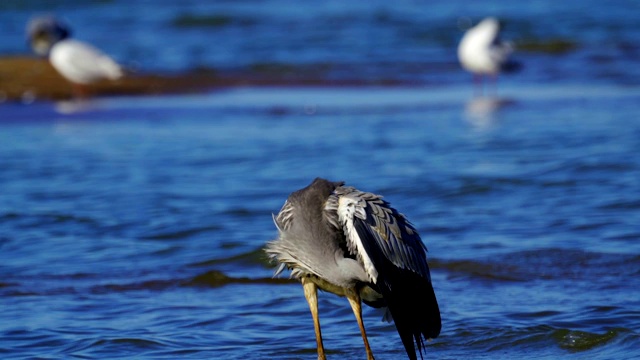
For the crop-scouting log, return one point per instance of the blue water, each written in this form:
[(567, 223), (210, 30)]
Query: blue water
[(132, 227)]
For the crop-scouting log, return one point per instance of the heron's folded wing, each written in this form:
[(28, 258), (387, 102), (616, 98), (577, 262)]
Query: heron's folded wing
[(374, 229)]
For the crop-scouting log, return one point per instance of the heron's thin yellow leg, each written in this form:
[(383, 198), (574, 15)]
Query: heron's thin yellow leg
[(354, 300), (311, 293)]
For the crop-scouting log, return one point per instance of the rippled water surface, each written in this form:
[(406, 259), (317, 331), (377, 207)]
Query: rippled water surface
[(132, 227)]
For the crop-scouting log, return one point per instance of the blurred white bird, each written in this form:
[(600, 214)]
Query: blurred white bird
[(482, 53), (78, 62)]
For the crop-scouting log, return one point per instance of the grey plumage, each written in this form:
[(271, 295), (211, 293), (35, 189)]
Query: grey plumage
[(354, 244)]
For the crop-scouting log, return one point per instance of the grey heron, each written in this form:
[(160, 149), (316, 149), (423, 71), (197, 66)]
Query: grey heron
[(354, 244), (482, 53), (78, 62)]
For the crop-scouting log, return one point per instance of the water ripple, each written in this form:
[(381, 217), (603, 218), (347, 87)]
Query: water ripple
[(172, 234), (548, 264)]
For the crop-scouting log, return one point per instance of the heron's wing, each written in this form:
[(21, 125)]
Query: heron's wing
[(394, 257), (376, 230)]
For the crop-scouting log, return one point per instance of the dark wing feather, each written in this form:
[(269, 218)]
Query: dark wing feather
[(394, 247)]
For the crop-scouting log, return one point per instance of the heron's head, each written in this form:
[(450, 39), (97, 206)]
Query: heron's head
[(44, 31)]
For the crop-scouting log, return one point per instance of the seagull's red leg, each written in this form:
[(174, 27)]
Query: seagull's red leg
[(80, 91), (478, 82), (311, 293), (475, 84), (494, 83)]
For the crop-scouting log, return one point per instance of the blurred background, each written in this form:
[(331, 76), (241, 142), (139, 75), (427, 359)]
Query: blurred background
[(132, 223), (408, 41)]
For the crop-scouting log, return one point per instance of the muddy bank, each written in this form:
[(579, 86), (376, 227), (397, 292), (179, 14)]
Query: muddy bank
[(27, 79)]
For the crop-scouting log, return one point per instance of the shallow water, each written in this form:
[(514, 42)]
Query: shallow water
[(132, 227)]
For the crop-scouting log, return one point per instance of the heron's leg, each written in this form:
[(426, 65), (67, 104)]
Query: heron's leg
[(356, 306), (311, 293)]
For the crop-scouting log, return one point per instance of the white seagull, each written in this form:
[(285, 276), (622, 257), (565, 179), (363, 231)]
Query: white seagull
[(80, 63), (482, 53)]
